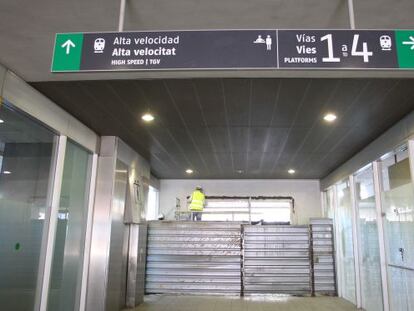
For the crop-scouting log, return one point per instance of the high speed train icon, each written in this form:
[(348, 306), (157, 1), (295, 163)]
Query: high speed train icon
[(99, 45), (386, 43)]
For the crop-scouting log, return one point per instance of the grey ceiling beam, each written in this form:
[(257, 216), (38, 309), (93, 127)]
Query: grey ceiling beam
[(121, 22), (351, 13)]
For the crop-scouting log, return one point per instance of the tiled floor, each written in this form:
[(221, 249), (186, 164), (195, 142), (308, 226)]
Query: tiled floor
[(259, 303)]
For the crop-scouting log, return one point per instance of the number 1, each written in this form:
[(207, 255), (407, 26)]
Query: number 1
[(330, 58)]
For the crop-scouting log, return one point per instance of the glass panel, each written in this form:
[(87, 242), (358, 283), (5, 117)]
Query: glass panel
[(66, 274), (409, 289), (398, 198), (271, 211), (345, 239), (226, 210), (371, 287), (26, 156), (152, 204), (267, 210), (329, 204)]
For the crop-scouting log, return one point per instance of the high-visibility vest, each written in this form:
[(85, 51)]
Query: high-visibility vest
[(197, 201)]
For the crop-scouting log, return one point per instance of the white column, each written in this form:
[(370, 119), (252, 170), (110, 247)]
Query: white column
[(323, 204), (355, 240), (338, 246), (88, 234), (56, 186), (411, 158), (381, 236)]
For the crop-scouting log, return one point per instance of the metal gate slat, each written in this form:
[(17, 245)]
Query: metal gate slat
[(234, 259), (323, 256), (194, 258), (276, 259)]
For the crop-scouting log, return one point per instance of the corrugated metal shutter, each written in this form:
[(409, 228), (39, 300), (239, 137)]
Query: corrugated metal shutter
[(323, 256), (194, 258), (276, 259)]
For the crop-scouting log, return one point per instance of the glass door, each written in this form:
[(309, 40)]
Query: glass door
[(66, 276), (371, 288), (397, 194), (26, 161), (329, 209), (346, 261), (152, 204)]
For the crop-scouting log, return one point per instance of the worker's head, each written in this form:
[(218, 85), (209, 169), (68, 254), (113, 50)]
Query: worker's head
[(199, 188)]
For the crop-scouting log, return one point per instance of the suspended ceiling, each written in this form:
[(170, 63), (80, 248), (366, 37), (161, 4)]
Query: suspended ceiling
[(218, 127)]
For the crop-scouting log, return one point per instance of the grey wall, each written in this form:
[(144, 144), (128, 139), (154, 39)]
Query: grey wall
[(138, 170), (112, 151), (392, 138), (305, 192)]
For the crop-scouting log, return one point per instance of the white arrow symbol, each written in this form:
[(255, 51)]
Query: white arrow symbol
[(410, 42), (68, 44)]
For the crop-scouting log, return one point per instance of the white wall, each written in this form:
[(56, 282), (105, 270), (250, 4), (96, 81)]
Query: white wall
[(305, 192)]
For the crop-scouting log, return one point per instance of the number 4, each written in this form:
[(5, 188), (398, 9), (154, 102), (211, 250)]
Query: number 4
[(364, 53)]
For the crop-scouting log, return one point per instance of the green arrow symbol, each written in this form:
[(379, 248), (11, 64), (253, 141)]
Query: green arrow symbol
[(405, 48), (68, 44), (410, 42), (68, 52)]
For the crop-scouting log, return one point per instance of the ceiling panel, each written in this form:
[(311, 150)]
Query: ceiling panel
[(292, 95), (238, 138), (209, 97), (219, 126), (263, 101), (236, 99)]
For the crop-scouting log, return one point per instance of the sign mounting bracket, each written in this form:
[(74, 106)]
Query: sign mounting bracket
[(121, 21), (351, 14)]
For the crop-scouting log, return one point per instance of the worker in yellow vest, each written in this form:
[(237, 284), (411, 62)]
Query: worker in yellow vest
[(197, 202)]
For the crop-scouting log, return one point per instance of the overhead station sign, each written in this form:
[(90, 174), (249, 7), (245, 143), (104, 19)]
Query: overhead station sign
[(234, 49)]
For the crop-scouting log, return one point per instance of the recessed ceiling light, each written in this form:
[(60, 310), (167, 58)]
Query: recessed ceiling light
[(6, 172), (147, 117), (1, 121), (240, 171), (291, 171), (329, 117), (189, 171)]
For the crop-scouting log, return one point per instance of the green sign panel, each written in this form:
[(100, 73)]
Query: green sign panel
[(68, 52), (405, 48)]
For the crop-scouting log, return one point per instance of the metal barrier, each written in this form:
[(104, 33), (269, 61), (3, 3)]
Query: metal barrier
[(227, 258), (322, 244), (194, 258), (276, 260)]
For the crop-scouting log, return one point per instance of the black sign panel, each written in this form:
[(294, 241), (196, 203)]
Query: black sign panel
[(234, 49), (337, 48), (179, 50)]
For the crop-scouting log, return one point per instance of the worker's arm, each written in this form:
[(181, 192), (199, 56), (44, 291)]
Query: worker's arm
[(190, 198)]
